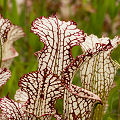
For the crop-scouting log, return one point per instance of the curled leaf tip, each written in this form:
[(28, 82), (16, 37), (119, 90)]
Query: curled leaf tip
[(9, 33), (58, 38)]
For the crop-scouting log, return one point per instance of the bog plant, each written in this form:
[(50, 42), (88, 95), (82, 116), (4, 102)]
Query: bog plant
[(39, 90)]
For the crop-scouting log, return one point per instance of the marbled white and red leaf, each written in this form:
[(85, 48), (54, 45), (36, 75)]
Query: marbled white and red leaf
[(78, 102), (8, 34), (56, 70), (4, 76), (11, 110), (97, 73), (43, 88), (58, 38)]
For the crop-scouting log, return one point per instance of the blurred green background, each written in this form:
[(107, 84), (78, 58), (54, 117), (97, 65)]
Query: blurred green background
[(99, 17)]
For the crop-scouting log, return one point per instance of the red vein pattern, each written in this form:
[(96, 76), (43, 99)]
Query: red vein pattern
[(8, 34), (93, 44), (4, 76), (5, 26), (58, 38), (97, 74), (53, 80), (42, 88), (11, 110), (58, 117), (54, 34), (78, 102)]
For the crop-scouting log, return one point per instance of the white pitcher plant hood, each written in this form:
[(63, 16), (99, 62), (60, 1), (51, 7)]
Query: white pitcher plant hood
[(93, 43), (97, 73), (9, 33), (58, 38), (99, 69)]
